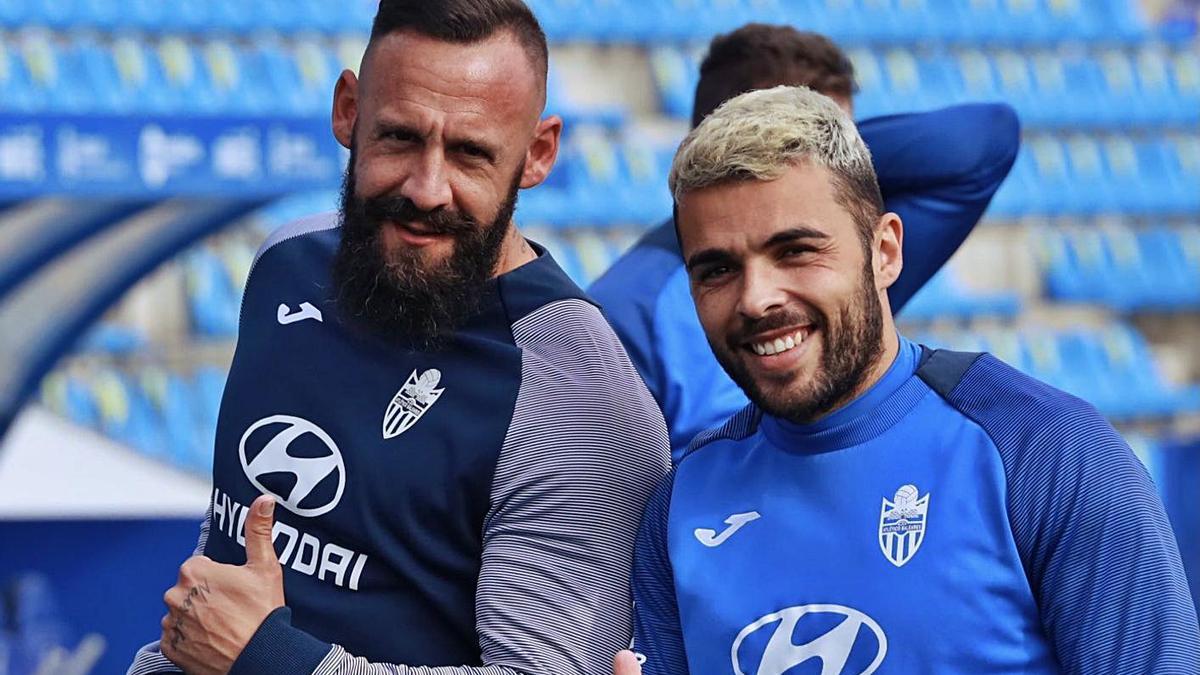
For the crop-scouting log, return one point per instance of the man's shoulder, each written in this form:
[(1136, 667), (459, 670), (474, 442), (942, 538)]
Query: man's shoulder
[(1034, 425), (989, 387), (737, 428), (571, 335), (637, 277), (309, 228)]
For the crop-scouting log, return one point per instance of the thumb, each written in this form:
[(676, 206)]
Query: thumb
[(626, 664), (259, 523)]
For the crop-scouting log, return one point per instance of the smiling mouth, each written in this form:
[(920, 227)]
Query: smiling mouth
[(781, 344)]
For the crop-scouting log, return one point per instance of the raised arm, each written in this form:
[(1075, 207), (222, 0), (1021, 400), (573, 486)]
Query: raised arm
[(938, 170)]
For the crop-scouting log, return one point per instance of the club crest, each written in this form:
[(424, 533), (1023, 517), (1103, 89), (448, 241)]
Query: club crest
[(902, 524), (414, 399)]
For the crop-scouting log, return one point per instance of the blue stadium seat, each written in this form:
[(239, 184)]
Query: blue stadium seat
[(17, 93), (873, 97), (14, 13), (1120, 20), (1020, 192), (942, 80), (67, 395), (1015, 84), (211, 296), (125, 413), (1185, 75), (104, 15), (595, 178), (1068, 90), (54, 74), (141, 79), (316, 70), (1051, 188), (190, 17), (1090, 189), (645, 197), (112, 338), (1183, 159), (945, 297), (675, 75), (101, 80), (185, 76), (175, 405), (208, 385)]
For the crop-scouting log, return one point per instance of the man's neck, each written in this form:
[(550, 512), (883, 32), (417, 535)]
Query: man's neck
[(514, 252)]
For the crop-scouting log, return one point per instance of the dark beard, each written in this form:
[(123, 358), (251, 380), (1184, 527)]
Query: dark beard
[(392, 292), (849, 352)]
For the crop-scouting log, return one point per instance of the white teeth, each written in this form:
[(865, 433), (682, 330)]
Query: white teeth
[(778, 345)]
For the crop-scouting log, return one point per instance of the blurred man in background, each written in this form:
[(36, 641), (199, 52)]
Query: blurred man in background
[(879, 506), (459, 444), (938, 170)]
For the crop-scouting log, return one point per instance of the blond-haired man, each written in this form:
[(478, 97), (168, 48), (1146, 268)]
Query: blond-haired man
[(879, 505)]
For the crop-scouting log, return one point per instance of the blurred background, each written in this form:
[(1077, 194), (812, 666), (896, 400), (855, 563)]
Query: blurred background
[(147, 148)]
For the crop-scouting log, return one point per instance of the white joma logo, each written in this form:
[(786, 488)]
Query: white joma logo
[(285, 316), (710, 538)]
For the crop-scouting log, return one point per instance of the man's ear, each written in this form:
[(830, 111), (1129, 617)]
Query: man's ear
[(888, 250), (345, 107), (543, 151)]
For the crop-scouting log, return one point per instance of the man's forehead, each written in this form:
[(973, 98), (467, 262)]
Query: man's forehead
[(748, 213), (494, 71)]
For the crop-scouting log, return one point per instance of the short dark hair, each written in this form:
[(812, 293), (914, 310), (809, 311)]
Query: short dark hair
[(465, 22), (760, 56)]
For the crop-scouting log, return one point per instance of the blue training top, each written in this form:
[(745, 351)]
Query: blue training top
[(959, 517), (937, 170)]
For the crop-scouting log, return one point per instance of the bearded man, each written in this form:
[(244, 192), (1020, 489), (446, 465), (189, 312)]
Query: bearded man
[(460, 446), (879, 506)]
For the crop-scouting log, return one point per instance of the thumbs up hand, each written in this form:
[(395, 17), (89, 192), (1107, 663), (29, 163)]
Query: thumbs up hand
[(214, 609)]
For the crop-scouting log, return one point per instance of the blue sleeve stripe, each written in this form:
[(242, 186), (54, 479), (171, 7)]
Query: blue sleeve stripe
[(1099, 553)]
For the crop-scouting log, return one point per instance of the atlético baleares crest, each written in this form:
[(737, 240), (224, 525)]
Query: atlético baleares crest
[(902, 524), (414, 399)]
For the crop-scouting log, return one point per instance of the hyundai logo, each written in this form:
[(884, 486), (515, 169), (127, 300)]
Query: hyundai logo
[(833, 648), (309, 472)]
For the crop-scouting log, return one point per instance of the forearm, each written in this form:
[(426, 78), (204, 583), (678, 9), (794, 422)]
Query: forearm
[(280, 648), (944, 151)]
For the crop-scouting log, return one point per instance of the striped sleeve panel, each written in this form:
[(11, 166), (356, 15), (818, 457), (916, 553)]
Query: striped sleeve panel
[(148, 659), (1101, 559), (585, 449), (658, 634)]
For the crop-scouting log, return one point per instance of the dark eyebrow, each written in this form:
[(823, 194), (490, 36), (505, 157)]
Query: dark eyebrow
[(788, 236), (707, 257), (793, 234), (386, 127), (476, 145)]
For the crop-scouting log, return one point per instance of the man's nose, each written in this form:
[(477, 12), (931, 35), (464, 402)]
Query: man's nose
[(760, 294), (428, 188)]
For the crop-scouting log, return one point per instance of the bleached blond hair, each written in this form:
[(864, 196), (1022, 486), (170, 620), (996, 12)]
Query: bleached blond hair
[(761, 134)]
